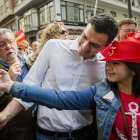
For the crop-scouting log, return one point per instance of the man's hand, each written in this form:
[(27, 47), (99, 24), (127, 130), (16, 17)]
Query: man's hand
[(14, 71), (5, 81)]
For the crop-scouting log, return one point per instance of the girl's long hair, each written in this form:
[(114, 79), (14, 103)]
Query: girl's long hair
[(135, 67), (50, 32)]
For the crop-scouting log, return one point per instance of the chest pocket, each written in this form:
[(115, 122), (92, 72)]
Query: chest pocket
[(102, 107)]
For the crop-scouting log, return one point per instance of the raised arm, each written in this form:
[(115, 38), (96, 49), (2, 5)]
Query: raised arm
[(51, 98), (68, 100)]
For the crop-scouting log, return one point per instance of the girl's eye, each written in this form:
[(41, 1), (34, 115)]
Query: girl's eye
[(115, 63)]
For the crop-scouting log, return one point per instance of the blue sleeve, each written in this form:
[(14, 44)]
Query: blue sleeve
[(68, 100)]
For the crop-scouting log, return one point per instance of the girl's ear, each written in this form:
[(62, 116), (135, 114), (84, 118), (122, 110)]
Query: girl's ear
[(133, 73)]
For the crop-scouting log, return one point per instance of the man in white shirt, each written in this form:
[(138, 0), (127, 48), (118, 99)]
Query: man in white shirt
[(68, 65)]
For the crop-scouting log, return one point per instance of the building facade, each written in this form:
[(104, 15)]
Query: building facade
[(34, 15)]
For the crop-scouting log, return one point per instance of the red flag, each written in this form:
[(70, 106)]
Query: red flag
[(73, 36), (20, 36)]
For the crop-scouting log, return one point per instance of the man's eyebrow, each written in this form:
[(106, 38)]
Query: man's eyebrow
[(84, 35), (96, 45)]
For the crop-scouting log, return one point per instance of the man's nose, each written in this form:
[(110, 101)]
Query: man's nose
[(8, 45), (85, 46)]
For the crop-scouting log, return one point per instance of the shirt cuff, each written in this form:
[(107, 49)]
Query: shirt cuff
[(15, 88)]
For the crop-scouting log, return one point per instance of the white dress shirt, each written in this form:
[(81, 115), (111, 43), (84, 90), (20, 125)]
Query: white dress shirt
[(60, 67)]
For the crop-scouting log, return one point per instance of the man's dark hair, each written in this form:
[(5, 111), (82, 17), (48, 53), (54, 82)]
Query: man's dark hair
[(105, 23), (127, 21), (135, 67)]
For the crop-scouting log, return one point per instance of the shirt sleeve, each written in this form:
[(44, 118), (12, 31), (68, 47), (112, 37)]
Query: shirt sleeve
[(37, 72), (68, 100)]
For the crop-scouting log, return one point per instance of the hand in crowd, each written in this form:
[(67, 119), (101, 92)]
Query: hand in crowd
[(14, 71), (5, 81)]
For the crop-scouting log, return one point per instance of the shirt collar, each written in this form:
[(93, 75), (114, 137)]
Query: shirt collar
[(22, 59), (98, 57), (74, 45)]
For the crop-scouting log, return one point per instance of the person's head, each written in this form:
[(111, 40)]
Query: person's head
[(8, 46), (126, 26), (55, 30), (123, 65), (21, 48), (35, 45), (98, 34)]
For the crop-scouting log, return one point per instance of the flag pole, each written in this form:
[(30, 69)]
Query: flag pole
[(95, 7)]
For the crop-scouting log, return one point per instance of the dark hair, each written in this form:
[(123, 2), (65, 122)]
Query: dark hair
[(127, 21), (135, 67), (105, 23)]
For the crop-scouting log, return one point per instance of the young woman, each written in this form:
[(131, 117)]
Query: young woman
[(118, 96), (55, 30)]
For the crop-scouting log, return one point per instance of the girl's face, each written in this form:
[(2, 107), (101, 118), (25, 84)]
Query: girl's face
[(117, 71)]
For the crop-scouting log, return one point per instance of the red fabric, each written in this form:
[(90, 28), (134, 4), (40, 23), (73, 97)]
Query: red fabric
[(20, 36), (105, 51), (118, 131), (126, 51), (134, 36)]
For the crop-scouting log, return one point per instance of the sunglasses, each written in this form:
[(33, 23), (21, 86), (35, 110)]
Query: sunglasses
[(63, 32), (20, 49)]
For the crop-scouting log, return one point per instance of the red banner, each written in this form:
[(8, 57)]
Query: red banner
[(20, 36)]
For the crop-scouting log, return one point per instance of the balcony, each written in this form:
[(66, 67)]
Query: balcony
[(25, 5), (31, 20), (121, 4)]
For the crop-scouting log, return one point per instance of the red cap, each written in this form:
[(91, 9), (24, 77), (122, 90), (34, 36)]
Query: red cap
[(134, 36), (127, 51)]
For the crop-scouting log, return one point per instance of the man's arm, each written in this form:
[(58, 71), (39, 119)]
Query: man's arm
[(9, 112)]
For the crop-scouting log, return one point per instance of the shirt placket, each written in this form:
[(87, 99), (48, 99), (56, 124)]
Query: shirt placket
[(77, 76)]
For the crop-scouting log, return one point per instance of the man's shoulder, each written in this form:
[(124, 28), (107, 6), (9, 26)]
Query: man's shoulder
[(59, 41)]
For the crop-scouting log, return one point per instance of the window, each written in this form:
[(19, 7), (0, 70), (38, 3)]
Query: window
[(124, 15), (133, 3), (21, 24), (72, 12), (1, 11), (46, 14), (15, 3), (134, 18), (30, 19), (6, 5), (113, 13), (90, 12), (13, 26)]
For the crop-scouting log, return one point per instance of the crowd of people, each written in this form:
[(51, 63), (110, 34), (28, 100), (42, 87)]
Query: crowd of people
[(84, 89)]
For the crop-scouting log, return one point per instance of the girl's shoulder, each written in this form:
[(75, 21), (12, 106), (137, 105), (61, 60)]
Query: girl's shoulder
[(102, 88)]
